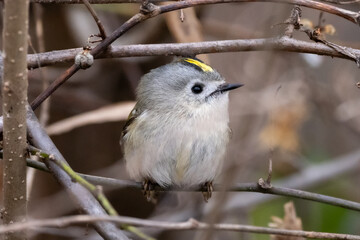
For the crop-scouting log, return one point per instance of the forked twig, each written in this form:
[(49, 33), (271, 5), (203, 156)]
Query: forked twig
[(96, 18)]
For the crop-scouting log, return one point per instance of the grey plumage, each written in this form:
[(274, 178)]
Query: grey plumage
[(177, 134)]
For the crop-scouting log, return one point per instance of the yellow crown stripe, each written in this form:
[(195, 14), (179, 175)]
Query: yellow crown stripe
[(203, 66)]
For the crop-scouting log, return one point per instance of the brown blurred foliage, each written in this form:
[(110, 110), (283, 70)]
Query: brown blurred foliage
[(290, 222), (296, 109)]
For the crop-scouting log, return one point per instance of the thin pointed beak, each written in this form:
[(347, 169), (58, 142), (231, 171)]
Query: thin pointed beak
[(224, 88), (228, 86)]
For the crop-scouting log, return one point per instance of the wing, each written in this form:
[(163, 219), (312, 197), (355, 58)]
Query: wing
[(131, 118)]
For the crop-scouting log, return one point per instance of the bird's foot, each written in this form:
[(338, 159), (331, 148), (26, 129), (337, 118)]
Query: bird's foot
[(208, 189), (149, 191)]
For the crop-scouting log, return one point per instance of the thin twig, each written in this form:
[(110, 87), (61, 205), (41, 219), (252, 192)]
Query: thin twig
[(317, 36), (293, 22), (54, 85), (266, 184), (240, 187), (308, 178), (349, 15), (191, 224), (342, 50), (183, 49), (77, 178), (153, 1), (103, 181), (94, 1), (251, 187), (140, 17), (342, 2), (96, 18)]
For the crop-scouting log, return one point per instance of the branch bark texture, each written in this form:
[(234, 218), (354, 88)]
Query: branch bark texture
[(191, 224), (14, 90), (189, 49)]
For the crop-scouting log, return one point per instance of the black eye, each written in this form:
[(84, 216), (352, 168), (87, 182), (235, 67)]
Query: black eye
[(197, 88)]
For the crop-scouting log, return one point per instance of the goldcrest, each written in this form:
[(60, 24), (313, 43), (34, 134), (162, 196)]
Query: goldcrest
[(177, 133)]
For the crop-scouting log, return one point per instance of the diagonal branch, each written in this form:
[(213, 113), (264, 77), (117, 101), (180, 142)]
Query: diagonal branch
[(98, 194), (96, 18), (95, 190), (140, 17), (316, 36), (82, 196)]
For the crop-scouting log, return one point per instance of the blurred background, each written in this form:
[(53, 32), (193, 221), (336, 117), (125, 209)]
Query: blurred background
[(300, 110)]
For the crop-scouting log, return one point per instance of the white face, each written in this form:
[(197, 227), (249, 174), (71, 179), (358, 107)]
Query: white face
[(199, 92), (203, 99), (183, 89)]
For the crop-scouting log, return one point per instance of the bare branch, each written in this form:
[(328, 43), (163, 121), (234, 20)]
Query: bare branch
[(299, 194), (342, 2), (150, 10), (54, 85), (343, 50), (92, 1), (293, 21), (340, 49), (153, 1), (96, 18), (98, 194), (317, 36), (178, 49), (191, 224), (310, 177), (266, 184), (14, 94), (240, 187), (103, 181), (349, 15), (95, 190)]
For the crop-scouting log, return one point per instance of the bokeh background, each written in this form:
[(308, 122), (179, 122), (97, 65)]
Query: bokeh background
[(301, 111)]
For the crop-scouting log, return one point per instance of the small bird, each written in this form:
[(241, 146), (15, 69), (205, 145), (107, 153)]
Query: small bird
[(177, 133)]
